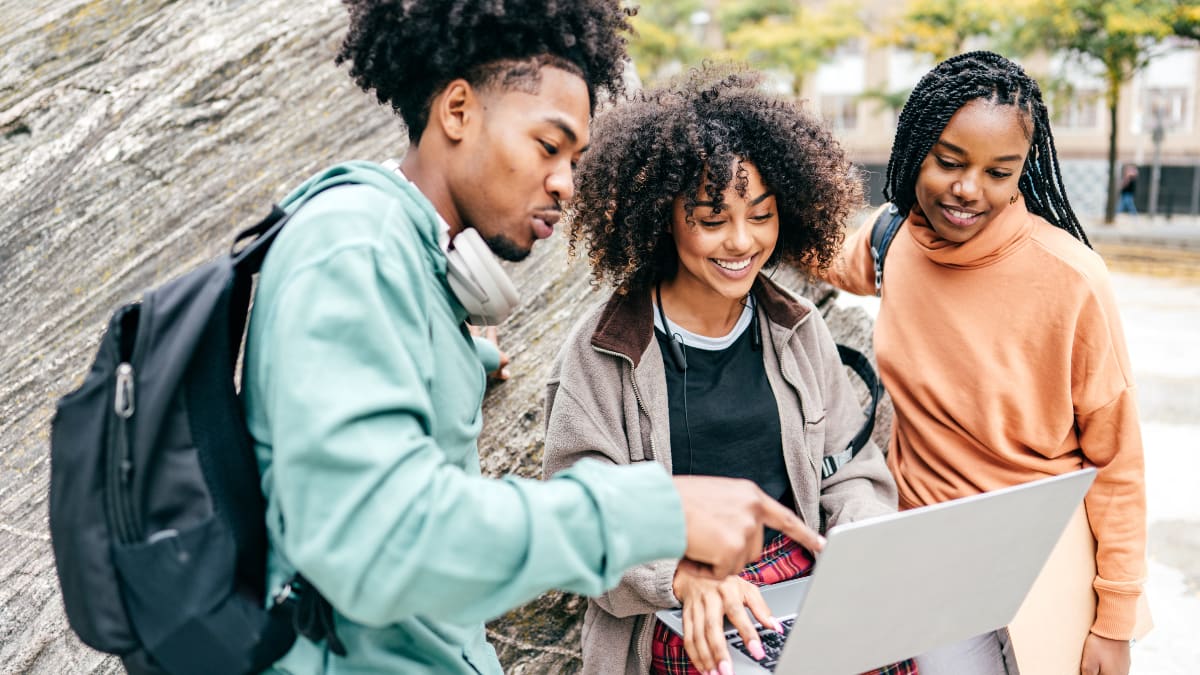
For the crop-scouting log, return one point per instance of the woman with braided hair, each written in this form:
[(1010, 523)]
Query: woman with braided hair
[(998, 337)]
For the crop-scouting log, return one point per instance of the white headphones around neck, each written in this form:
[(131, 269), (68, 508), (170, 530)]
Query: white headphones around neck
[(476, 278)]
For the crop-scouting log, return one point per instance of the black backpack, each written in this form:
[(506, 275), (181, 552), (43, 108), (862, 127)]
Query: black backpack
[(157, 519), (883, 230)]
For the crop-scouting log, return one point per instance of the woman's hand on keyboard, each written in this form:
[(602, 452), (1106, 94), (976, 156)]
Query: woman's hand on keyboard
[(706, 602)]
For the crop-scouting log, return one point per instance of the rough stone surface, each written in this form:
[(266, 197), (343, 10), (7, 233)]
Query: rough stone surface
[(135, 139)]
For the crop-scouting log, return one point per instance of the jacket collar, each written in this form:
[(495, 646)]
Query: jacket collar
[(626, 324)]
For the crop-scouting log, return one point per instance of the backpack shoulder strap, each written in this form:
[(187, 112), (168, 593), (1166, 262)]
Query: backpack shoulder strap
[(861, 365), (883, 230), (259, 237)]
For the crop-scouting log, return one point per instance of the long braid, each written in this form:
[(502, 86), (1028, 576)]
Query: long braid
[(949, 86)]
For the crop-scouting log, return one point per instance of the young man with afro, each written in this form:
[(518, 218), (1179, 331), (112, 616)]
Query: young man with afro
[(363, 386)]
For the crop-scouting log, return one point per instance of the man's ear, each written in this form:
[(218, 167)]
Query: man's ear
[(455, 109)]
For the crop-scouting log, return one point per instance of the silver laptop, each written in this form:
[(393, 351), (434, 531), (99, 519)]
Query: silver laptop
[(892, 587)]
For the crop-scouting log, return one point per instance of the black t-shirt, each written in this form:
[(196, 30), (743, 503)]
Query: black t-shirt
[(728, 422), (1129, 185)]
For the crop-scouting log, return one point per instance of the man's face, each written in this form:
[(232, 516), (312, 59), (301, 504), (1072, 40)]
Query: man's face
[(518, 162)]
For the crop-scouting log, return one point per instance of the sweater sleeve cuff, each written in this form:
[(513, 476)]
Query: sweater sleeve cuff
[(1116, 610), (641, 513), (488, 353)]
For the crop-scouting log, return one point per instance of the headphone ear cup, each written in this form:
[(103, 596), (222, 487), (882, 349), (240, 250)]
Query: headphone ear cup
[(478, 280)]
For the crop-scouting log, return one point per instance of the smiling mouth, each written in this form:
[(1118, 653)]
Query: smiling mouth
[(960, 217), (959, 213), (733, 265)]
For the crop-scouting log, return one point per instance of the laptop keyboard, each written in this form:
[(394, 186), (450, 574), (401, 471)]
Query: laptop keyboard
[(772, 644)]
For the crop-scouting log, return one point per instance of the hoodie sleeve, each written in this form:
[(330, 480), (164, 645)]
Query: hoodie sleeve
[(372, 511), (853, 270), (1110, 437)]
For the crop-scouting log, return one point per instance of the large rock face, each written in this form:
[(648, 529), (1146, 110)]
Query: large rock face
[(135, 139)]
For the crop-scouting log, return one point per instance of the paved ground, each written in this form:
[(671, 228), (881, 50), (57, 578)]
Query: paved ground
[(1178, 232), (1160, 308), (1162, 325)]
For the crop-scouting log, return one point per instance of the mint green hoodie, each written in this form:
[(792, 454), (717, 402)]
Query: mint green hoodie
[(363, 391)]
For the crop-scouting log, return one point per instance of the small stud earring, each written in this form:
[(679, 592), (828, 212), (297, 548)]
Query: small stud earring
[(1012, 199)]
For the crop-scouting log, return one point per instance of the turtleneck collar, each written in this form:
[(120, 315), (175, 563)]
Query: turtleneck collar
[(1004, 235)]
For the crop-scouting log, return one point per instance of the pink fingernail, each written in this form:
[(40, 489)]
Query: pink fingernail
[(776, 625), (756, 650), (726, 668)]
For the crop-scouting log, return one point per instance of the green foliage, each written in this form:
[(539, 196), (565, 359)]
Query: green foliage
[(1185, 22), (779, 35), (941, 28), (797, 41), (1122, 35), (663, 35), (733, 14)]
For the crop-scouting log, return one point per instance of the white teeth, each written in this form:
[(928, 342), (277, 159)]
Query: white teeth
[(734, 266), (960, 214)]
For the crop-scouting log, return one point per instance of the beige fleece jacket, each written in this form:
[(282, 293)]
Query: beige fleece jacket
[(608, 401)]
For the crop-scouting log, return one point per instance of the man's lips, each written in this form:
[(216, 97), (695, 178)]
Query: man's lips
[(544, 222)]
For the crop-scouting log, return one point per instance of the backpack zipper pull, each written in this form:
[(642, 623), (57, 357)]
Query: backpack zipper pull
[(123, 406), (123, 401)]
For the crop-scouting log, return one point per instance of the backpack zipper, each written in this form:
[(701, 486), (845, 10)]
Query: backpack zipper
[(120, 466)]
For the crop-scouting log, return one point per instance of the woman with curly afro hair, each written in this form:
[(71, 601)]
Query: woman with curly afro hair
[(698, 361)]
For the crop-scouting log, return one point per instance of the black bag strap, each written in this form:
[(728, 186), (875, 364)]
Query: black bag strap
[(309, 612), (861, 365), (262, 234), (298, 605), (883, 230), (249, 258)]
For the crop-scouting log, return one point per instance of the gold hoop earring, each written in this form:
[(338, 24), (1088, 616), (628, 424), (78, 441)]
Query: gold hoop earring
[(1012, 199)]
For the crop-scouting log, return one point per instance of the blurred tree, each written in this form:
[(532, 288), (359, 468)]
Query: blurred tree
[(772, 35), (941, 28), (892, 100), (1123, 36), (937, 28), (787, 35), (665, 35)]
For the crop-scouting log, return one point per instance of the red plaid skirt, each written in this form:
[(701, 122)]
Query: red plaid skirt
[(782, 559)]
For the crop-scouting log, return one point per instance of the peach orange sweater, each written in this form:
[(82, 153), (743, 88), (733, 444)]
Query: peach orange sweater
[(1006, 362)]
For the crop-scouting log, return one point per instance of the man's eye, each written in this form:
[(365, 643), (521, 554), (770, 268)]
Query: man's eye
[(550, 149)]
